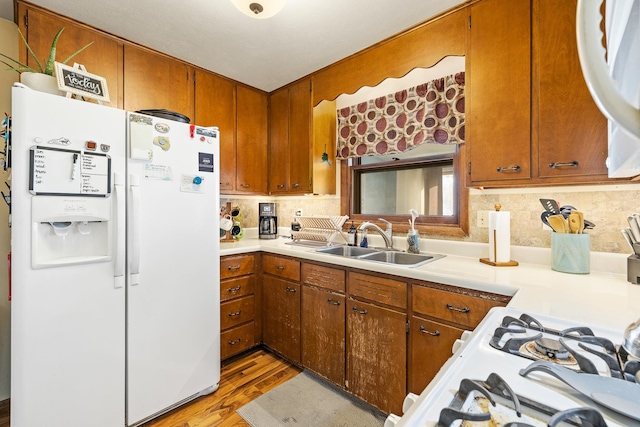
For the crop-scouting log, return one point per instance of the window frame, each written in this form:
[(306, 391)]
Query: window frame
[(456, 225)]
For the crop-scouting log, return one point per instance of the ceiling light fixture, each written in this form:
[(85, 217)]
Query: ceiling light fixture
[(259, 9)]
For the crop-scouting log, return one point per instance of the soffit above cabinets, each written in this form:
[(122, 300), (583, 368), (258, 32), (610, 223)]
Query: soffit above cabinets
[(304, 37)]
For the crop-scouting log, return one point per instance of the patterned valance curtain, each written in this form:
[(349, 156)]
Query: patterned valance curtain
[(432, 112)]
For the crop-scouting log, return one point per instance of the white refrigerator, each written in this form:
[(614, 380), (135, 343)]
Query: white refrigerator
[(115, 263)]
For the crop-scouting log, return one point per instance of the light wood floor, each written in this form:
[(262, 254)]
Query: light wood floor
[(242, 380)]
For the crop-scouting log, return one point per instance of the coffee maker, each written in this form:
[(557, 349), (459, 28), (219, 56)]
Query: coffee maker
[(268, 221)]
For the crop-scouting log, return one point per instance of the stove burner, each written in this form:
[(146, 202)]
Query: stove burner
[(551, 348), (530, 351)]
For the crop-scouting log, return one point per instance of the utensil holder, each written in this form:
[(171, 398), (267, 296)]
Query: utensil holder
[(413, 241), (633, 269), (570, 253)]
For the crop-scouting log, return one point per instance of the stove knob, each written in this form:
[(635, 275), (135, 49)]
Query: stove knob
[(408, 402)]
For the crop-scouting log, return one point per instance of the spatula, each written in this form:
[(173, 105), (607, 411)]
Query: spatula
[(558, 223), (576, 222)]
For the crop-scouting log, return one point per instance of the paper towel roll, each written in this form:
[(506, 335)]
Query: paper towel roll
[(499, 236)]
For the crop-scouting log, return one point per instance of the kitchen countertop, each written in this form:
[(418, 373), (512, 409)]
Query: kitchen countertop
[(603, 297)]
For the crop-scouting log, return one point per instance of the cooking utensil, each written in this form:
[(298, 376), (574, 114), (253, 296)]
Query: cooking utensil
[(544, 218), (635, 229), (626, 233), (558, 223), (414, 215), (615, 394), (588, 225), (551, 205), (576, 222)]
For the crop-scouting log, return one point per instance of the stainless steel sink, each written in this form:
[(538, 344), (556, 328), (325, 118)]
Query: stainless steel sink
[(347, 251), (401, 258), (381, 255)]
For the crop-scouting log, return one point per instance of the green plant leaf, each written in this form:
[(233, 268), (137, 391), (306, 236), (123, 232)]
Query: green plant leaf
[(22, 68), (76, 52), (41, 70), (48, 69)]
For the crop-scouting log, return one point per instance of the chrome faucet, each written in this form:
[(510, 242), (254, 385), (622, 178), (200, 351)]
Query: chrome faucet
[(387, 234)]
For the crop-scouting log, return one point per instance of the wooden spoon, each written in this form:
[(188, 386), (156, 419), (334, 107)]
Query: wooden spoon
[(574, 223), (558, 223)]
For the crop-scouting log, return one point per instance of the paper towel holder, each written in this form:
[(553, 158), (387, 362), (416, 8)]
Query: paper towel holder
[(488, 261)]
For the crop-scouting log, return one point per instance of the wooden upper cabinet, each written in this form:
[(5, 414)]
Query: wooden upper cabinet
[(216, 106), (154, 81), (103, 57), (498, 90), (252, 141), (290, 121), (571, 131), (278, 141)]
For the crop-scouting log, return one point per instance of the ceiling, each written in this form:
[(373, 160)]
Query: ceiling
[(305, 36)]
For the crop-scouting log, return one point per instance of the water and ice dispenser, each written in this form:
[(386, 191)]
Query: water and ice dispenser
[(71, 211)]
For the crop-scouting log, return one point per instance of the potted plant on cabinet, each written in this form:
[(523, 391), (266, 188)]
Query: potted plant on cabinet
[(40, 77)]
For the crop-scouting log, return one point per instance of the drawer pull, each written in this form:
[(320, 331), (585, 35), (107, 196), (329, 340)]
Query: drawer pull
[(233, 267), (359, 311), (573, 164), (296, 185), (330, 301), (237, 313), (291, 289), (236, 289), (225, 183), (280, 186), (245, 185), (461, 310), (510, 168), (424, 331), (280, 267), (234, 342)]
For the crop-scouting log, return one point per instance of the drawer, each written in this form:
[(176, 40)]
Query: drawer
[(234, 288), (462, 309), (236, 312), (282, 267), (378, 289), (234, 266), (237, 340), (324, 277)]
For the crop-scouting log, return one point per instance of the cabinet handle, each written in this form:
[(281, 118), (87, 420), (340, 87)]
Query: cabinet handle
[(359, 311), (225, 183), (237, 313), (236, 289), (280, 186), (573, 164), (233, 267), (245, 185), (515, 168), (330, 301), (424, 331), (295, 185), (234, 342), (461, 310), (280, 267), (290, 289)]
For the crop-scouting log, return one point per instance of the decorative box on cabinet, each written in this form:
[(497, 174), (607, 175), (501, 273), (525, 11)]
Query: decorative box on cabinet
[(237, 304)]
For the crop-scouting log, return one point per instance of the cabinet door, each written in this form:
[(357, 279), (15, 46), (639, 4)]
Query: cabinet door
[(571, 131), (103, 57), (278, 141), (376, 355), (300, 137), (252, 141), (154, 81), (498, 90), (281, 316), (431, 344), (323, 333), (216, 106)]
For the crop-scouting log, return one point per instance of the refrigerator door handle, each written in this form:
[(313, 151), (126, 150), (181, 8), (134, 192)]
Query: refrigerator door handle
[(136, 229), (118, 272)]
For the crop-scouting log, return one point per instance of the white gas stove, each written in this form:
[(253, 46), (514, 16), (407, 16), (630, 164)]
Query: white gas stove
[(505, 343)]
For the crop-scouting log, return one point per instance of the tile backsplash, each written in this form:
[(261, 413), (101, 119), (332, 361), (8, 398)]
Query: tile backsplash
[(605, 205)]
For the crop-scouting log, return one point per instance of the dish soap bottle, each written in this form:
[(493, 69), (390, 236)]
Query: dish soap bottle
[(352, 237)]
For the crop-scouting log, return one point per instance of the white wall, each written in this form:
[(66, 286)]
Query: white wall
[(8, 46)]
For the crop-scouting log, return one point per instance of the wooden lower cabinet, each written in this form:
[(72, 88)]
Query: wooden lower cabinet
[(281, 316), (323, 333), (430, 344), (377, 355)]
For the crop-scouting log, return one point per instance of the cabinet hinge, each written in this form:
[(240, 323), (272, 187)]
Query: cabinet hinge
[(26, 21), (469, 21), (469, 168), (407, 326)]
